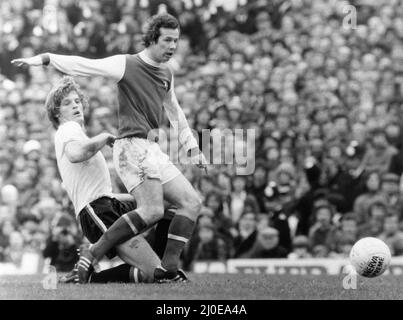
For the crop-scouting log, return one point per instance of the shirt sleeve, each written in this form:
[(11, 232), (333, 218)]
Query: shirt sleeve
[(67, 132), (111, 67), (178, 120)]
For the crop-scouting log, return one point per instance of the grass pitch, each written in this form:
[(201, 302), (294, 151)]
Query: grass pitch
[(211, 287)]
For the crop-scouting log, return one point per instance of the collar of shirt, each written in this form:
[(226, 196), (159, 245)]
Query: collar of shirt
[(148, 60)]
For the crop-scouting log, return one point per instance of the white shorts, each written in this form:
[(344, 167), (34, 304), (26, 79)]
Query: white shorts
[(137, 158)]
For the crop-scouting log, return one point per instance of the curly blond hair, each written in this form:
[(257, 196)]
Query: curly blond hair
[(58, 93)]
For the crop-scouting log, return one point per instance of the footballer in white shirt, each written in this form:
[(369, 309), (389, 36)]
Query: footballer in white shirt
[(86, 178)]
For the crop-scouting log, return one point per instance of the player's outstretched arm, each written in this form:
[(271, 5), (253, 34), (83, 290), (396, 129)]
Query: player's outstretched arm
[(178, 121), (111, 67), (82, 150)]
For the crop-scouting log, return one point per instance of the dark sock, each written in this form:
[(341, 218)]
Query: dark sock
[(123, 229), (179, 232), (120, 273), (124, 273), (161, 235)]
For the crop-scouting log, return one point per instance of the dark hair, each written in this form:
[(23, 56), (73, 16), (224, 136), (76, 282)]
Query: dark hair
[(377, 204), (153, 25), (244, 213), (57, 94), (323, 206), (349, 216), (243, 178), (213, 194)]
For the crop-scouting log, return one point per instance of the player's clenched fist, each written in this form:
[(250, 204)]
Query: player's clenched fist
[(109, 138)]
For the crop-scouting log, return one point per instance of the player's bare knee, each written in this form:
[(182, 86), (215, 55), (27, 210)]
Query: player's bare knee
[(192, 205), (155, 212)]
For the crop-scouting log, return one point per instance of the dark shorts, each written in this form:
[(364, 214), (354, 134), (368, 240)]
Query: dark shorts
[(100, 214)]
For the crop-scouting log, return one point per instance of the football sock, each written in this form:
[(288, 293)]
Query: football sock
[(179, 232), (161, 235), (123, 273), (123, 229)]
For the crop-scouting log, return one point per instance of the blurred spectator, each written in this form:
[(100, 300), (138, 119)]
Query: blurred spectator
[(62, 245), (391, 234), (321, 230), (305, 204), (371, 194), (374, 225), (6, 230), (16, 247), (320, 251), (379, 154), (247, 232), (266, 246), (390, 191), (238, 197), (221, 218), (258, 185), (301, 248), (343, 237)]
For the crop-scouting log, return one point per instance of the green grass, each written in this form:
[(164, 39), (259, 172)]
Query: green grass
[(211, 287)]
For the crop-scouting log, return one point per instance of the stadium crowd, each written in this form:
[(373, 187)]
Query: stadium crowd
[(323, 93)]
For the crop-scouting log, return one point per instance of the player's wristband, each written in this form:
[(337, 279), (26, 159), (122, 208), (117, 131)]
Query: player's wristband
[(45, 59)]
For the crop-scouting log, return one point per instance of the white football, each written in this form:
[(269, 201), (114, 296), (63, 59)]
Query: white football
[(370, 257)]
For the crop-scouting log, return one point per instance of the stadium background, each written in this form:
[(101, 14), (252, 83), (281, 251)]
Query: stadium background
[(325, 100)]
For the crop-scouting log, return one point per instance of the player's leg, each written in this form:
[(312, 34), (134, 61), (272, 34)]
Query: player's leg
[(138, 252), (149, 209), (137, 168), (140, 264), (141, 260), (161, 231), (110, 217), (182, 195), (123, 273), (161, 227)]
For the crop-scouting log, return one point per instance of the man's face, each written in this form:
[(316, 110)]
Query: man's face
[(268, 241), (379, 140), (377, 214), (71, 108), (247, 222), (206, 234), (373, 182), (324, 216), (239, 184), (165, 46), (349, 226), (390, 187), (391, 225)]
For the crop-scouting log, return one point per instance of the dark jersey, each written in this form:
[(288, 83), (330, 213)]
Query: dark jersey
[(142, 91)]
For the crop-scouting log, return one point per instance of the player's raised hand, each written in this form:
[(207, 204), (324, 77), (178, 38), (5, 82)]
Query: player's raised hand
[(33, 61)]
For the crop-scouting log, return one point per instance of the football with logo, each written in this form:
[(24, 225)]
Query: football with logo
[(370, 257)]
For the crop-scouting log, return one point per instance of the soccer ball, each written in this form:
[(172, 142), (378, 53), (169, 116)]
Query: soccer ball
[(370, 257)]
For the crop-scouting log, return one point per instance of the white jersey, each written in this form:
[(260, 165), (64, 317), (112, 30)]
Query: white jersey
[(84, 181)]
